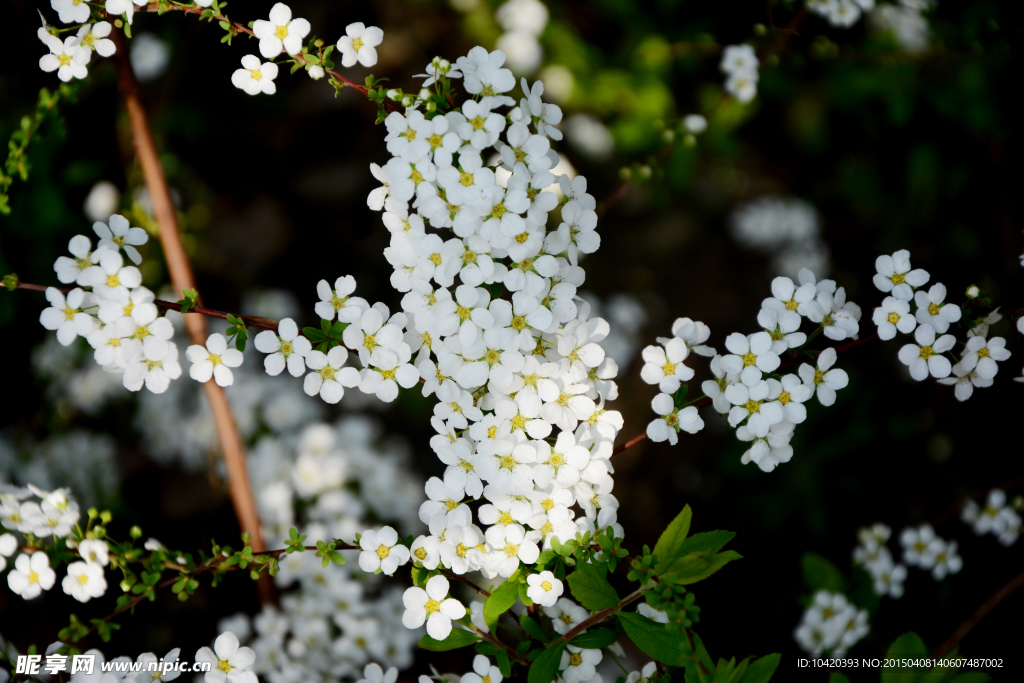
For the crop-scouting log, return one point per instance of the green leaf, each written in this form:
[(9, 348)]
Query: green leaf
[(533, 628), (910, 646), (820, 574), (596, 639), (706, 568), (671, 540), (591, 589), (655, 640), (837, 677), (501, 600), (761, 670), (456, 639), (545, 666), (504, 663), (313, 334)]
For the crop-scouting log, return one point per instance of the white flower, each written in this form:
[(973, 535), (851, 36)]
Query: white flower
[(982, 325), (329, 377), (915, 544), (925, 357), (511, 544), (943, 558), (71, 11), (742, 86), (31, 575), (359, 44), (839, 319), (120, 235), (70, 269), (110, 279), (664, 366), (889, 578), (751, 355), (432, 606), (894, 316), (786, 296), (715, 389), (790, 393), (752, 402), (255, 77), (825, 382), (281, 33), (739, 59), (579, 665), (287, 348), (667, 427), (230, 663), (894, 275), (339, 301), (544, 116), (932, 311), (8, 544), (84, 581), (213, 360), (377, 342), (373, 673), (381, 550), (544, 588), (783, 327), (980, 355), (94, 37), (94, 552), (66, 57), (153, 363), (116, 7), (964, 381), (66, 315)]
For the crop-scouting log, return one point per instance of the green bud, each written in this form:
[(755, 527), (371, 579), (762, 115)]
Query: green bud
[(973, 292), (760, 29), (135, 532)]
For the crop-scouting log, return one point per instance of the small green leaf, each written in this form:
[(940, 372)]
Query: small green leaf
[(456, 639), (706, 568), (501, 600), (596, 639), (655, 640), (820, 574), (671, 540), (591, 589), (545, 666), (504, 663), (533, 628), (909, 646), (761, 670)]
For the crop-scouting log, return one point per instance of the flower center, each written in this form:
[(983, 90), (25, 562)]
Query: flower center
[(819, 376), (520, 154), (416, 176), (519, 323), (383, 551), (388, 374), (215, 359), (469, 257), (463, 313), (369, 343), (506, 519), (498, 210), (556, 460), (575, 659), (257, 74), (357, 44), (460, 550), (327, 373), (466, 179), (511, 550), (64, 59), (546, 585), (926, 352), (933, 309), (669, 369), (785, 398), (286, 348), (753, 406), (792, 305), (983, 352), (33, 577), (894, 317), (69, 313), (420, 553), (507, 462), (89, 38), (282, 33), (522, 237), (897, 278), (435, 141), (749, 359), (224, 665), (83, 579), (478, 123), (518, 422), (112, 280), (492, 356)]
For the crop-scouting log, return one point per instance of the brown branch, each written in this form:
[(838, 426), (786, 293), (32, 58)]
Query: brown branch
[(598, 617), (182, 277), (980, 614), (462, 579), (241, 28)]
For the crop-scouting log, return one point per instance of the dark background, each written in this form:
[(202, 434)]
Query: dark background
[(894, 150)]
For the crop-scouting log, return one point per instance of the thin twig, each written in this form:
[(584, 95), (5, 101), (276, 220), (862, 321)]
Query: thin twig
[(241, 28), (598, 617), (182, 277), (980, 614)]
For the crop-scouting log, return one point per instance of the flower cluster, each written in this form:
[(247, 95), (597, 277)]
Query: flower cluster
[(840, 13), (117, 315), (38, 514), (909, 309), (764, 406), (997, 517), (831, 624), (740, 66), (69, 57), (872, 554)]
